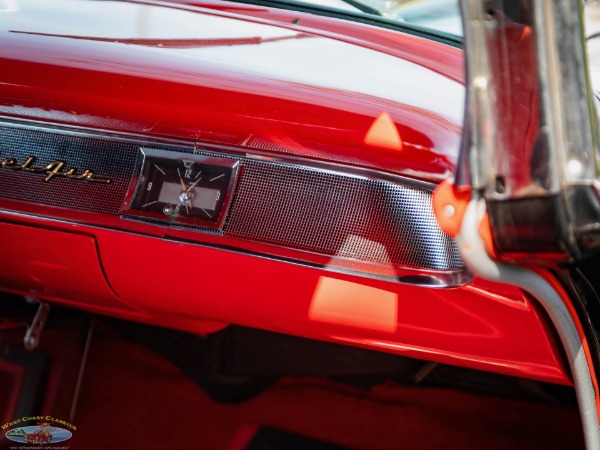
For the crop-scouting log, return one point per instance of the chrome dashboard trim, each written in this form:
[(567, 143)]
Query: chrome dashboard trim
[(197, 146), (422, 276)]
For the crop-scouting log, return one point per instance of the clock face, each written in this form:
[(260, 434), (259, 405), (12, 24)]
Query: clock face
[(183, 188)]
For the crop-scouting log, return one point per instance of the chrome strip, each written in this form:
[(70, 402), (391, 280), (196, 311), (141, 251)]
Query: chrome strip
[(403, 274), (416, 277), (221, 150), (477, 260)]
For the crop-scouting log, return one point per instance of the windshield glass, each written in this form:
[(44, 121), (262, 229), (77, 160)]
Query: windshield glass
[(435, 15)]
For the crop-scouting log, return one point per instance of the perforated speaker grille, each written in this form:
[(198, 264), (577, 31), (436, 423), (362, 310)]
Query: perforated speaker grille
[(339, 215), (304, 208)]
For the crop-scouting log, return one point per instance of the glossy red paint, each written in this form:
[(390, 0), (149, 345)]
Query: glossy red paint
[(56, 264), (482, 325), (193, 82), (251, 75)]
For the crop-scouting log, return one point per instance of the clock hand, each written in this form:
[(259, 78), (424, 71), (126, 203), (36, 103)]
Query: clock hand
[(195, 183), (183, 188)]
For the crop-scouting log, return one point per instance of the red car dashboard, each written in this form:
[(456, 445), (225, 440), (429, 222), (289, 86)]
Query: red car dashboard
[(235, 164)]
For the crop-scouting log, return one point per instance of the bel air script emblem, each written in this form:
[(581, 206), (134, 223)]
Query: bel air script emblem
[(54, 169)]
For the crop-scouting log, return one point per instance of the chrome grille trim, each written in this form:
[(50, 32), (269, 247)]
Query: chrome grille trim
[(325, 209), (339, 215)]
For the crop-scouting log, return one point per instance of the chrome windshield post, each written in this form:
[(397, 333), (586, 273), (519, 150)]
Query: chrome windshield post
[(529, 160)]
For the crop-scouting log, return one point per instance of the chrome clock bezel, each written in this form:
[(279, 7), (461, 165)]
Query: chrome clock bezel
[(149, 156)]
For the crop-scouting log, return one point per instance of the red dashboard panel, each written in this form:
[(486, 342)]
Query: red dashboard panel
[(196, 288), (483, 323), (249, 93), (57, 265), (258, 87)]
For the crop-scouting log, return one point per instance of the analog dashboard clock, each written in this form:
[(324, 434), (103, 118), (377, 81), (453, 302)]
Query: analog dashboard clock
[(182, 188)]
